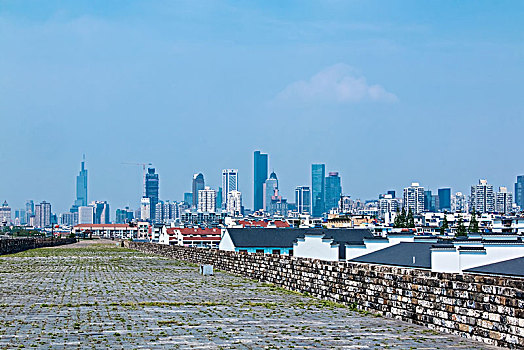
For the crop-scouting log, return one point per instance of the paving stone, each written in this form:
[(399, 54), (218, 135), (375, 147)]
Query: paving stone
[(95, 295)]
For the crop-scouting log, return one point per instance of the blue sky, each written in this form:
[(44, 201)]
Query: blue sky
[(384, 92)]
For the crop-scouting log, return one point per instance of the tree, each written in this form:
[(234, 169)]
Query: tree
[(400, 219), (461, 229), (410, 220), (445, 225), (474, 224)]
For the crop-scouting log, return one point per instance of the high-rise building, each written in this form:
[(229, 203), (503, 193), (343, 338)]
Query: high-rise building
[(219, 203), (387, 204), (198, 185), (392, 193), (430, 201), (519, 192), (101, 212), (5, 214), (318, 186), (234, 203), (444, 199), (151, 190), (459, 203), (270, 186), (166, 212), (260, 168), (188, 198), (20, 217), (303, 199), (229, 183), (333, 191), (86, 214), (482, 197), (123, 216), (69, 219), (81, 187), (29, 210), (145, 209), (207, 200), (42, 215), (504, 201), (414, 198)]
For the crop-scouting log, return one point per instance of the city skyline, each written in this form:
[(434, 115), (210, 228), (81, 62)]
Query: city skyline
[(377, 77)]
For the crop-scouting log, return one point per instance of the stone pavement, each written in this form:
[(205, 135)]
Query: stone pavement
[(96, 295)]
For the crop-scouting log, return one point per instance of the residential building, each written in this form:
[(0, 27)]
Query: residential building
[(333, 191), (260, 169), (444, 199), (414, 198), (5, 214), (151, 190), (519, 192), (198, 185), (81, 188), (303, 199), (42, 215), (387, 205), (122, 231), (504, 201), (482, 197), (207, 200), (86, 215), (166, 212), (459, 203), (277, 241), (229, 183), (191, 236), (318, 186), (270, 186), (345, 204), (234, 203)]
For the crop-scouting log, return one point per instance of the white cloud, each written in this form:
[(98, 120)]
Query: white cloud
[(339, 83)]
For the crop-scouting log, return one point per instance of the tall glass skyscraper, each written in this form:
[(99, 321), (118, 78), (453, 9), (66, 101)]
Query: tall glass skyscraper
[(302, 199), (519, 192), (198, 184), (444, 199), (259, 177), (333, 191), (318, 185), (81, 188), (151, 190), (229, 183)]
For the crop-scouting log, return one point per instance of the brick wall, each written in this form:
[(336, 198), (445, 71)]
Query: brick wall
[(483, 308), (14, 245)]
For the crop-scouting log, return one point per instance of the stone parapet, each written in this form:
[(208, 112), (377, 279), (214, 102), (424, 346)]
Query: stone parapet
[(485, 308), (14, 245)]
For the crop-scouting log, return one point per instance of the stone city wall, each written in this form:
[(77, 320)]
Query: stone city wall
[(484, 308), (14, 245)]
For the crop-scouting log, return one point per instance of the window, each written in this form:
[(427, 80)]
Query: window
[(290, 252), (276, 252)]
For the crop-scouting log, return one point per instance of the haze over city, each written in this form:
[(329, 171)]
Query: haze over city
[(385, 93)]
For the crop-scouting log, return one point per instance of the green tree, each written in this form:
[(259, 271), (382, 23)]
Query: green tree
[(473, 224), (445, 225), (461, 229), (400, 219), (410, 220)]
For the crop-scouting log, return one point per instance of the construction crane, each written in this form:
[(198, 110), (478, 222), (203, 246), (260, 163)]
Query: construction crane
[(144, 165)]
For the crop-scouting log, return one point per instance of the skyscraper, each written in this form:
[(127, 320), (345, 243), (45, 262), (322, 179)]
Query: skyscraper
[(318, 186), (519, 192), (414, 198), (270, 186), (101, 212), (229, 183), (5, 214), (333, 191), (198, 184), (86, 214), (81, 187), (234, 203), (444, 199), (151, 190), (260, 162), (482, 197)]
